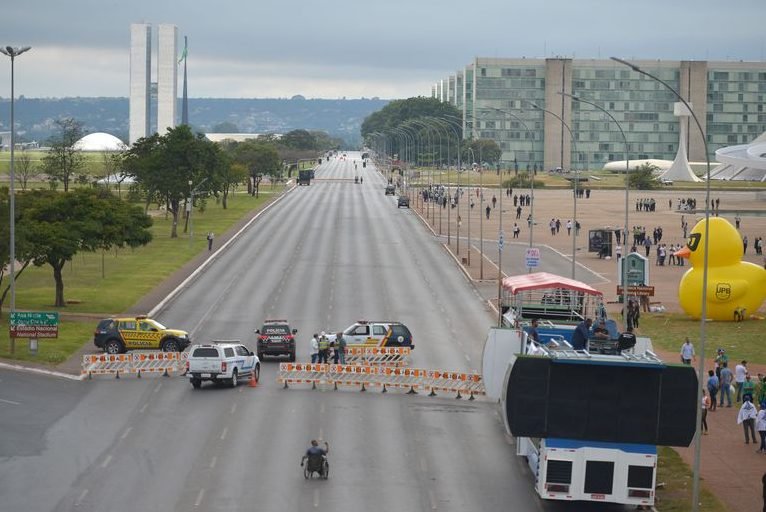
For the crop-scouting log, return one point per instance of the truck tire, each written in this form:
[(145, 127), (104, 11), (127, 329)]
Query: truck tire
[(196, 383), (171, 345), (234, 380)]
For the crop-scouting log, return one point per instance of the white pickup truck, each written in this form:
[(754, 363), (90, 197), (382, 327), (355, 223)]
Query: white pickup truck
[(222, 363)]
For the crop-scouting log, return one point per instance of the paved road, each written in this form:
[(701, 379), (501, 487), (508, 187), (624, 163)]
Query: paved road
[(323, 257)]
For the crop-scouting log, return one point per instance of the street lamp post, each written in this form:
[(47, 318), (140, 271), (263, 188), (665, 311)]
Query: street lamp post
[(191, 208), (624, 276), (703, 312), (576, 183), (13, 52)]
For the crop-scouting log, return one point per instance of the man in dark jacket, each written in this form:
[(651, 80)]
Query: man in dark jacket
[(581, 333)]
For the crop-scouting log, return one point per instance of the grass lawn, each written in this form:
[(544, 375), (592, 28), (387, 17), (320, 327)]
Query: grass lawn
[(676, 494), (128, 275), (741, 340)]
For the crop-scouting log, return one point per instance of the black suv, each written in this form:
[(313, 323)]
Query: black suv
[(390, 190), (276, 338), (403, 201)]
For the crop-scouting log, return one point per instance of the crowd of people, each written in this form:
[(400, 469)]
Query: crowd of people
[(325, 350)]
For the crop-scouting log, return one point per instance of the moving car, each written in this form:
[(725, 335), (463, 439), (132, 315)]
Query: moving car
[(120, 334), (403, 201), (390, 190), (275, 338), (222, 363)]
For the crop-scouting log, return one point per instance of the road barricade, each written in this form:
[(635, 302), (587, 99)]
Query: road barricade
[(387, 356), (135, 362), (385, 377)]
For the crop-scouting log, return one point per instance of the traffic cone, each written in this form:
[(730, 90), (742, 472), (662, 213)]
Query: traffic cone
[(253, 382)]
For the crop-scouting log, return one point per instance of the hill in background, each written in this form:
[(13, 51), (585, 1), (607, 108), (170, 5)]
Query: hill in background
[(340, 118)]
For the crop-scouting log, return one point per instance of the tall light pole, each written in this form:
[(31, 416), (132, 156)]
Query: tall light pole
[(13, 52), (624, 276), (576, 179), (703, 312), (470, 210)]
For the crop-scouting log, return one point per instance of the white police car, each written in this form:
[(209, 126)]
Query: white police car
[(222, 363)]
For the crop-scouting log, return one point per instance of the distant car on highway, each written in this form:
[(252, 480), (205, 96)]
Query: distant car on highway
[(403, 201), (390, 190), (116, 335), (665, 181)]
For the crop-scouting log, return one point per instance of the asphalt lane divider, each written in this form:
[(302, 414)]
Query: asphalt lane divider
[(133, 363), (388, 356), (384, 377)]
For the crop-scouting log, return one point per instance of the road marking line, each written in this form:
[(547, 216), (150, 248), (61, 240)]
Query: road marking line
[(125, 434), (159, 386), (11, 402), (143, 407), (213, 462), (199, 498), (81, 497), (316, 498), (432, 499), (233, 408), (20, 368), (223, 434), (106, 462), (467, 358)]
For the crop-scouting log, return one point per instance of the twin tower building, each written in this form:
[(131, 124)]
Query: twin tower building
[(141, 74)]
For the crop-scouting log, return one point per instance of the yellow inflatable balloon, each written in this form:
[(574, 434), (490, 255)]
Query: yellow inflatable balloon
[(735, 288)]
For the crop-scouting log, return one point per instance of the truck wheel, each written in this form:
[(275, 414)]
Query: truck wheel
[(196, 383), (257, 373), (234, 380), (114, 346), (260, 355), (291, 357)]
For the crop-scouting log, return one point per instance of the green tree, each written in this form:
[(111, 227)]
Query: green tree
[(168, 167), (430, 111), (57, 226), (63, 160), (643, 177), (299, 139), (484, 151), (24, 168), (260, 159)]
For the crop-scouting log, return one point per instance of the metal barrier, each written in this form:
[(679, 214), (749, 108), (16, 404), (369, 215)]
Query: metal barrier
[(135, 362), (385, 377), (387, 356)]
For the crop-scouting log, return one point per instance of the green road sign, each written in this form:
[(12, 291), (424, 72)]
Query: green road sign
[(34, 324)]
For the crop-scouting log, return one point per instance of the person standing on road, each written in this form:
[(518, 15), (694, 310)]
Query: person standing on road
[(748, 388), (340, 346), (488, 211), (740, 372), (712, 388), (210, 237), (324, 348), (760, 426), (314, 348), (746, 418), (726, 377), (687, 352), (705, 406), (569, 227)]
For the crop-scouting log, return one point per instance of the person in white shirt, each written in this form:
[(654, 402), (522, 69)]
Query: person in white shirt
[(746, 418), (740, 372), (687, 352), (760, 426), (314, 348)]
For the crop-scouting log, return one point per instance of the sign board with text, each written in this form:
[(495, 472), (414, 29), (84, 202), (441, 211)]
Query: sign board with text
[(638, 291), (532, 257), (34, 324)]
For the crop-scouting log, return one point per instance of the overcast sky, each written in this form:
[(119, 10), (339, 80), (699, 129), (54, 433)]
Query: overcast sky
[(356, 48)]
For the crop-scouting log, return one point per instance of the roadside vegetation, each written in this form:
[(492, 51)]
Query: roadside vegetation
[(675, 495)]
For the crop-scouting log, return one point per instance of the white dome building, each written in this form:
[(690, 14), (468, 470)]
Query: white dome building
[(100, 142)]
